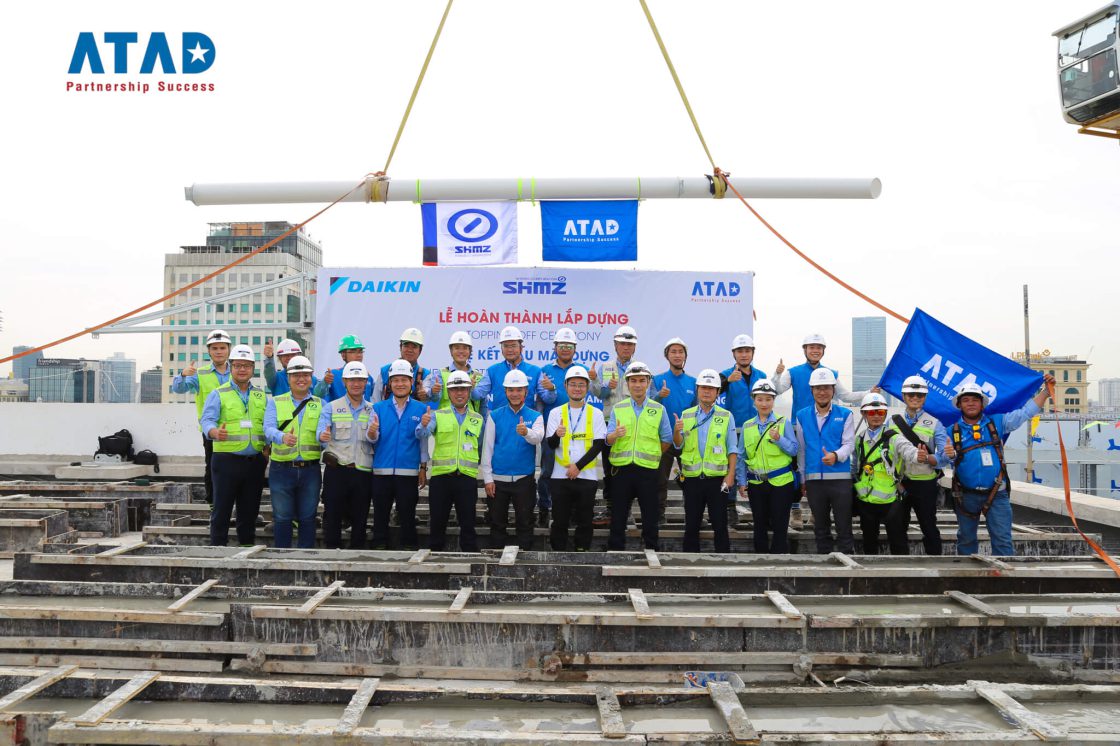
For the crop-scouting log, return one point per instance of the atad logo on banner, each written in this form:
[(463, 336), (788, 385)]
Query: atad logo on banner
[(599, 231), (196, 53)]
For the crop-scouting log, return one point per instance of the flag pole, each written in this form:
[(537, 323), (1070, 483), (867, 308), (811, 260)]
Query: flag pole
[(1027, 355)]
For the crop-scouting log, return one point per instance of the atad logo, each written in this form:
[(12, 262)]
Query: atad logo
[(129, 52)]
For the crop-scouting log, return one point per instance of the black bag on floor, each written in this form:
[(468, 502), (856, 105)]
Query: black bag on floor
[(117, 444), (147, 458)]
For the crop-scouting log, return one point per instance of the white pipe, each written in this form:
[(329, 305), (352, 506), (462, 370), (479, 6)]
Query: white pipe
[(479, 190)]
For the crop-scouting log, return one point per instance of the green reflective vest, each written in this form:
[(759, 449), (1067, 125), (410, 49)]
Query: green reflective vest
[(713, 463), (587, 435), (456, 446), (444, 401), (642, 443), (763, 455), (234, 414), (307, 444), (875, 481), (924, 428), (207, 382)]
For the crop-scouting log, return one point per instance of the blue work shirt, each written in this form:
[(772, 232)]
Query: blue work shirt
[(664, 430), (325, 420), (336, 389), (787, 442), (737, 394), (559, 396), (277, 380), (272, 432), (212, 414), (181, 384), (682, 391), (977, 471), (494, 392)]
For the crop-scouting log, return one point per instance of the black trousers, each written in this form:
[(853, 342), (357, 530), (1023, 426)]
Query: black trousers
[(895, 515), (770, 508), (405, 492), (447, 490), (347, 493), (523, 495), (923, 495), (664, 469), (573, 501), (238, 481), (702, 493), (831, 499), (607, 468), (208, 474), (627, 484)]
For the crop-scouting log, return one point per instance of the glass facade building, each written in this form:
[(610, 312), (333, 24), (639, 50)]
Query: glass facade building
[(21, 367), (869, 351)]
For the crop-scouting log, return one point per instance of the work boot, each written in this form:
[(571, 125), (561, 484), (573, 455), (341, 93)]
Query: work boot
[(543, 517), (732, 516)]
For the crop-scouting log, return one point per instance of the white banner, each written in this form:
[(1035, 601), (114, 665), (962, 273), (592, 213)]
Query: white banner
[(706, 309), (470, 233)]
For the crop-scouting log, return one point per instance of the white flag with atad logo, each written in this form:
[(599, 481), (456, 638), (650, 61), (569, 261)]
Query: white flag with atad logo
[(469, 233)]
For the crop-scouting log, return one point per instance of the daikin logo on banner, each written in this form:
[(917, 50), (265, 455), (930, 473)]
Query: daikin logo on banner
[(374, 286)]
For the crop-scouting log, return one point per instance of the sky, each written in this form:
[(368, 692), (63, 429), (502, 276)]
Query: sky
[(954, 107)]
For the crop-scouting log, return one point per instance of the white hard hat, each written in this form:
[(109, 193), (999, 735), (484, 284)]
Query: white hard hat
[(218, 336), (822, 377), (813, 339), (511, 334), (242, 352), (873, 401), (970, 388), (355, 369), (400, 368), (414, 335), (515, 379), (576, 371), (674, 341), (625, 334), (709, 377), (288, 347), (565, 335), (460, 379), (299, 364), (460, 338), (638, 369), (763, 386), (742, 340), (915, 385)]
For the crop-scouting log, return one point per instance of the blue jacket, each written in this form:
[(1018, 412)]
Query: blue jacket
[(799, 382), (398, 451), (737, 398), (512, 455), (818, 440), (490, 388), (682, 392)]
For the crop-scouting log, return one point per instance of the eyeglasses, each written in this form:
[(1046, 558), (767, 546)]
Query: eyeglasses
[(874, 412), (626, 338), (913, 393), (565, 346)]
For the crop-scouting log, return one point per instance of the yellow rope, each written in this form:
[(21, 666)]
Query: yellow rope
[(416, 88), (677, 80)]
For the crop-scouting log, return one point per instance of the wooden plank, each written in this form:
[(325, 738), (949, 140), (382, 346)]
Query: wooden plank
[(645, 658), (357, 707), (610, 713), (992, 562), (652, 559), (420, 556), (509, 555), (1012, 710), (245, 553), (640, 604), (269, 563), (727, 702), (975, 604), (110, 704), (317, 600), (783, 604), (461, 599), (845, 560), (122, 549), (33, 687), (199, 647), (115, 662), (192, 595), (203, 618)]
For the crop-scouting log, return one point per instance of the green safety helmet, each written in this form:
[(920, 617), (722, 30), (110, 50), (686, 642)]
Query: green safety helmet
[(350, 342)]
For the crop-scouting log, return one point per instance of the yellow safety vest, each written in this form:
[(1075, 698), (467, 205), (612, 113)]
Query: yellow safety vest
[(714, 460), (233, 413), (764, 456), (207, 382), (307, 444), (456, 446), (874, 482), (444, 401), (642, 443), (563, 456)]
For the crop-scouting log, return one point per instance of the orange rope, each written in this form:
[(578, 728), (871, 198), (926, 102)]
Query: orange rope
[(1069, 498), (187, 287), (724, 177)]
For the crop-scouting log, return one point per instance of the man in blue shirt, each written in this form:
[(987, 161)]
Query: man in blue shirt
[(332, 387), (490, 389), (676, 391), (411, 345), (552, 393), (201, 381), (980, 479), (277, 380)]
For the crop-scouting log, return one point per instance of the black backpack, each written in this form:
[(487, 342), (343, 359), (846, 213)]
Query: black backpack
[(147, 458), (117, 444)]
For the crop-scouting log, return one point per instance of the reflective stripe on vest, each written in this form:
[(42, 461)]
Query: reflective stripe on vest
[(923, 427), (348, 443), (207, 382), (763, 455), (233, 413), (563, 456), (444, 402), (456, 444), (307, 444), (712, 464), (875, 483), (642, 443)]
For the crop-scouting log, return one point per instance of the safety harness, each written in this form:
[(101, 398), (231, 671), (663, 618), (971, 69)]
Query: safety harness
[(766, 476), (958, 489), (866, 464)]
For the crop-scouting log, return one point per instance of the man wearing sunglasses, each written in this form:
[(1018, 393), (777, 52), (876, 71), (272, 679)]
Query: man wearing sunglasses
[(919, 480)]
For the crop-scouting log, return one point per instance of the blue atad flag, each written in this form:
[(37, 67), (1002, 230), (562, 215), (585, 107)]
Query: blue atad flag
[(947, 360), (598, 231)]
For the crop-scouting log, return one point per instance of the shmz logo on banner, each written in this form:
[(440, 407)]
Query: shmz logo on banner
[(469, 234)]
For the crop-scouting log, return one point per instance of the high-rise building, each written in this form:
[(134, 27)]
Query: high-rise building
[(869, 351), (22, 366), (1109, 392), (64, 380), (119, 378), (293, 255), (151, 386), (1071, 388)]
